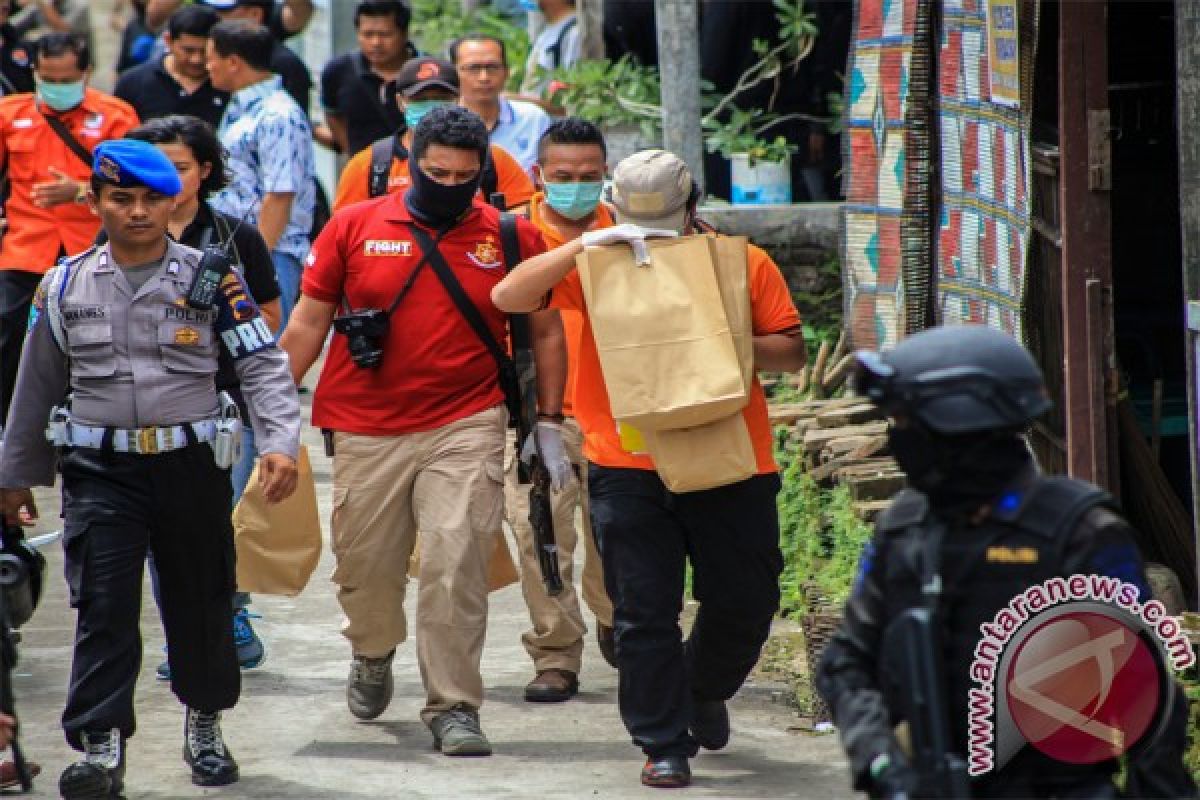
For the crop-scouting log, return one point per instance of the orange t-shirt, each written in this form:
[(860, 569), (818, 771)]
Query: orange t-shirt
[(572, 320), (772, 311), (35, 236), (353, 186)]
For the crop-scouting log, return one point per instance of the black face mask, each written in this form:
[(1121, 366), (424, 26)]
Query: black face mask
[(437, 204), (959, 473)]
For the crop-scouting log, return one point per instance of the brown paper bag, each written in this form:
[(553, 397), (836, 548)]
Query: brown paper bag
[(502, 570), (705, 457), (666, 350), (733, 279), (278, 546)]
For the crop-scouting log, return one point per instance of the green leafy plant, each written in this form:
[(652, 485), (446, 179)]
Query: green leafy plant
[(437, 23), (611, 94), (820, 534)]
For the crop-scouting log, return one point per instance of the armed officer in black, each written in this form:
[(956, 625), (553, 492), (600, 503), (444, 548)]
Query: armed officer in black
[(958, 400)]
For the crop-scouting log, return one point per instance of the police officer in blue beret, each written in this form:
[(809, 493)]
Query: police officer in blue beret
[(116, 387)]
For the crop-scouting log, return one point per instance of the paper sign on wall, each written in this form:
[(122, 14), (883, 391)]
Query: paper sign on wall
[(1004, 60)]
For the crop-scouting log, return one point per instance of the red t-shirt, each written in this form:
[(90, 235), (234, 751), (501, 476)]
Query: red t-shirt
[(435, 369)]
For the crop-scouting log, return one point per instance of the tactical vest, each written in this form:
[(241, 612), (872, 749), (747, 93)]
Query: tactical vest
[(1021, 542)]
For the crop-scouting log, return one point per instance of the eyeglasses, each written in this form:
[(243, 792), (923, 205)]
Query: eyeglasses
[(480, 69)]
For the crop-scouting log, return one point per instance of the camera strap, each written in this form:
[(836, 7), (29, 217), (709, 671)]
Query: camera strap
[(412, 276), (508, 373)]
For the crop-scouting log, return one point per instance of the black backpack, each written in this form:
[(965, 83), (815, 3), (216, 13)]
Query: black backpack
[(389, 148)]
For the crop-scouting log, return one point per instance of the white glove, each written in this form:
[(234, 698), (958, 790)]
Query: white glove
[(553, 452), (632, 235)]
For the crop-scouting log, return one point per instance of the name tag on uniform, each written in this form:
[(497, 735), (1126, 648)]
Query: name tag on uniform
[(81, 313)]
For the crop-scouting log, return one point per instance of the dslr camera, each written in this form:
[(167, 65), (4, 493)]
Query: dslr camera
[(364, 330)]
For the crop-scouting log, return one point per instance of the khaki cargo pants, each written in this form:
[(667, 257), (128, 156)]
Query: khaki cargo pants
[(447, 483), (556, 639)]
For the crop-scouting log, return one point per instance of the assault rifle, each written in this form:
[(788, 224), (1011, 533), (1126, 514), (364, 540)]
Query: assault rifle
[(913, 655), (521, 392)]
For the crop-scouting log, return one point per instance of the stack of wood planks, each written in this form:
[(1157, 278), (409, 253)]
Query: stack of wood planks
[(844, 440)]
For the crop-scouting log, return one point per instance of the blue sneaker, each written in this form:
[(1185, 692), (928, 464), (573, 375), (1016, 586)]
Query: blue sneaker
[(251, 652)]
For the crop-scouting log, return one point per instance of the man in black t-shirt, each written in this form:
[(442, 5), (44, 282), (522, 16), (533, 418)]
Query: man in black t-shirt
[(16, 69), (296, 80), (177, 83), (358, 89)]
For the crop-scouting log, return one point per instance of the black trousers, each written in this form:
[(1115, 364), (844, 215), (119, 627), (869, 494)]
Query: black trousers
[(118, 506), (645, 535), (16, 292)]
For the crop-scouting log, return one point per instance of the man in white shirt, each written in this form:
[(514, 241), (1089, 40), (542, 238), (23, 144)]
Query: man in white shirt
[(515, 125)]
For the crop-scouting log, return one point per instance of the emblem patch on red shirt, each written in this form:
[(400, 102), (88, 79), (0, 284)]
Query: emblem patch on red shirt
[(486, 255)]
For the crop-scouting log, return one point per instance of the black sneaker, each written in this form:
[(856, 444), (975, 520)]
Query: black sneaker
[(606, 638), (101, 773), (205, 752)]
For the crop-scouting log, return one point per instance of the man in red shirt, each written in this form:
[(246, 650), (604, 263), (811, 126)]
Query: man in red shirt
[(411, 398)]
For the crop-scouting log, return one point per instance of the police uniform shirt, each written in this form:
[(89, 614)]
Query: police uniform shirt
[(153, 92), (15, 62), (350, 88), (142, 359)]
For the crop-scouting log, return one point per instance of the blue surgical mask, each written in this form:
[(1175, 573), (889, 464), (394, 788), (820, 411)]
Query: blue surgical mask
[(415, 110), (574, 200), (61, 96)]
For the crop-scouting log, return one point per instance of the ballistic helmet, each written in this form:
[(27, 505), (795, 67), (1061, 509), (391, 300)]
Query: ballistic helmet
[(955, 380)]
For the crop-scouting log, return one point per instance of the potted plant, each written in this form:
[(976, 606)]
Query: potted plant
[(761, 168)]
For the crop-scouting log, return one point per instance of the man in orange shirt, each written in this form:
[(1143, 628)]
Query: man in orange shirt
[(571, 157), (424, 84), (672, 693), (46, 214)]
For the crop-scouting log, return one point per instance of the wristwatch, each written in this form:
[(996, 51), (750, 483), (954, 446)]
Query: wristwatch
[(81, 193)]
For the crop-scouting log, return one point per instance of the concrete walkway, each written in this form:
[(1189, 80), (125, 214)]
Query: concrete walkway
[(294, 738)]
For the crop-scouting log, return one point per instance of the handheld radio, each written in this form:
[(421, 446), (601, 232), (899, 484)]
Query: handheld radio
[(214, 266)]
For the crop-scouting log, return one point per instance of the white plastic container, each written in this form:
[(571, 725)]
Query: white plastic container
[(766, 183)]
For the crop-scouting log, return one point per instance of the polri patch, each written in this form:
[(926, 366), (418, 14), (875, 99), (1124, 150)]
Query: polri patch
[(188, 337)]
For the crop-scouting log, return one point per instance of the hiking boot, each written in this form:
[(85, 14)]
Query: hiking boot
[(552, 686), (369, 687), (205, 752), (709, 724), (606, 638), (251, 652), (667, 772), (101, 773), (457, 733)]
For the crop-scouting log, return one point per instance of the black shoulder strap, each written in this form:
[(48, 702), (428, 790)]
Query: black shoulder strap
[(459, 296), (1053, 505), (555, 50), (510, 245), (383, 152), (490, 179), (73, 144)]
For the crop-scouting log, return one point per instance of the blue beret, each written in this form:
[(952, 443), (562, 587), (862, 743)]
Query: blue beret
[(129, 162)]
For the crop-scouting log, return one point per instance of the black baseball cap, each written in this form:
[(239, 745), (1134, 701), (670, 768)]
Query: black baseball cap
[(424, 72)]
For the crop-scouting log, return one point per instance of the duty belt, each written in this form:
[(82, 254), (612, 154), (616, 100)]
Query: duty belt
[(143, 441)]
